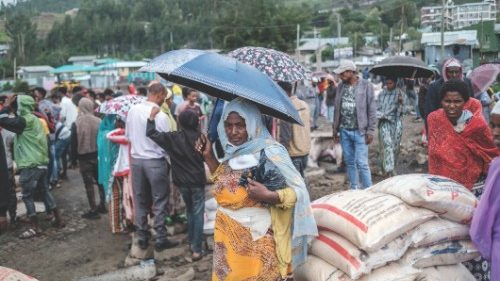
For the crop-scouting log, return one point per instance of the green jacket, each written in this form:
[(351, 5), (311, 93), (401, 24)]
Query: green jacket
[(30, 146)]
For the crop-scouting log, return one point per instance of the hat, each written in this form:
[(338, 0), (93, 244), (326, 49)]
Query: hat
[(453, 63), (169, 94), (345, 65)]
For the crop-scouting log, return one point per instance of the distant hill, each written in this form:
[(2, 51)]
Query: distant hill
[(42, 6)]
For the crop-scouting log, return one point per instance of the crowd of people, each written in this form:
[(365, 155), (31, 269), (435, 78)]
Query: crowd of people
[(142, 162)]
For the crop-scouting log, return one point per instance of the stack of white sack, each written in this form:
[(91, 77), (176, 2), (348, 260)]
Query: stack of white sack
[(210, 212), (410, 227), (8, 274)]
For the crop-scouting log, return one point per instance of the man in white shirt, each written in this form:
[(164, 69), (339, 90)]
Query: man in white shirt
[(68, 115), (150, 170), (69, 111)]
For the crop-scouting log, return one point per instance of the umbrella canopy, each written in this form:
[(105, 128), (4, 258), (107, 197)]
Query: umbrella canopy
[(224, 77), (120, 105), (400, 66), (277, 65), (319, 74), (483, 76)]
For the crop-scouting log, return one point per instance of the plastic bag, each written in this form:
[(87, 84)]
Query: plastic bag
[(265, 173)]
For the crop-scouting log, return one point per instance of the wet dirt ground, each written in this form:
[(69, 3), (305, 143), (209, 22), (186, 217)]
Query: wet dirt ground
[(87, 247)]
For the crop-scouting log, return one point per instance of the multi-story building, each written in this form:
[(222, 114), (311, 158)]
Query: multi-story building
[(458, 16)]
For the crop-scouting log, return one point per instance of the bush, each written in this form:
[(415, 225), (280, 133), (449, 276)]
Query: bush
[(7, 86), (21, 87)]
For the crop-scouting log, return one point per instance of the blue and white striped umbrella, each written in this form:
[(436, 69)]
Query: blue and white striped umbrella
[(226, 78)]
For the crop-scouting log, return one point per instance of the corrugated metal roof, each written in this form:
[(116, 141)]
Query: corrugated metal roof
[(125, 64), (82, 58), (71, 68), (463, 37), (311, 44), (36, 68)]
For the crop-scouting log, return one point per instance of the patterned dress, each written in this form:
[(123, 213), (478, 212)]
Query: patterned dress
[(236, 255), (479, 267), (390, 127)]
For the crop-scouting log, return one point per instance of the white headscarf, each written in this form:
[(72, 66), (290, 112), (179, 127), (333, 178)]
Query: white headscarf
[(496, 109)]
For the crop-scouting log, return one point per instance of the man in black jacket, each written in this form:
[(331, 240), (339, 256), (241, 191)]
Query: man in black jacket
[(452, 69)]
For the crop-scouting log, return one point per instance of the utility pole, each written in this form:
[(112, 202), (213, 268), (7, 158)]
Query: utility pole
[(15, 66), (355, 43), (318, 51), (401, 30), (442, 29), (390, 36), (297, 52), (171, 40), (381, 37), (339, 27)]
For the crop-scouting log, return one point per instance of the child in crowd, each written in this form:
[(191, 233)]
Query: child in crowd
[(187, 169), (190, 103)]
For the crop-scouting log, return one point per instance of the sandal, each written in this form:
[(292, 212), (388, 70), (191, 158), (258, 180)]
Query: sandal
[(196, 256), (30, 233)]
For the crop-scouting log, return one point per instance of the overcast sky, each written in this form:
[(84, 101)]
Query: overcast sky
[(8, 1)]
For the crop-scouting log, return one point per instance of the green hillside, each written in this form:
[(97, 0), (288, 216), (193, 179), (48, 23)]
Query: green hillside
[(41, 6)]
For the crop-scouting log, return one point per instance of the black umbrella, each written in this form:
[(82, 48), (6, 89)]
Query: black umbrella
[(226, 78), (404, 67)]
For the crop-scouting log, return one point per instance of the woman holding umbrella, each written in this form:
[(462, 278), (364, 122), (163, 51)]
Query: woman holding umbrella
[(259, 249)]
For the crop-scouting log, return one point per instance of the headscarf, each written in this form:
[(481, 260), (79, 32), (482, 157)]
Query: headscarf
[(304, 227), (462, 156), (166, 109), (496, 109), (87, 126), (451, 62)]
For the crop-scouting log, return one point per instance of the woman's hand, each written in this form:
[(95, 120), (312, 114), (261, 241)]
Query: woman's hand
[(259, 192)]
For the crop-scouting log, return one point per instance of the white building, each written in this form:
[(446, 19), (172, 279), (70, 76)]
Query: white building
[(458, 16), (309, 47), (35, 75), (458, 44)]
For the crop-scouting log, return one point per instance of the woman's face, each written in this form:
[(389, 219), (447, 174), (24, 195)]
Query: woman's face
[(453, 105), (390, 85), (236, 129), (495, 128)]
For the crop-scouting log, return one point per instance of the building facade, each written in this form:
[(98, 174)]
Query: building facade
[(458, 16)]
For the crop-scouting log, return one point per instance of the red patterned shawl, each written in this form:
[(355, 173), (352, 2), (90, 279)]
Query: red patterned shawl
[(463, 156)]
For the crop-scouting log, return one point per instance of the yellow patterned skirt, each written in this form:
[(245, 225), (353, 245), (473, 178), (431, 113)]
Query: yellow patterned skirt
[(236, 256)]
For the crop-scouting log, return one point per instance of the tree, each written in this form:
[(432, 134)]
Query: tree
[(22, 32)]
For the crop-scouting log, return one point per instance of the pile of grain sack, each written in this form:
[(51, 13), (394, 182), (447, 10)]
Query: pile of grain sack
[(409, 227)]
